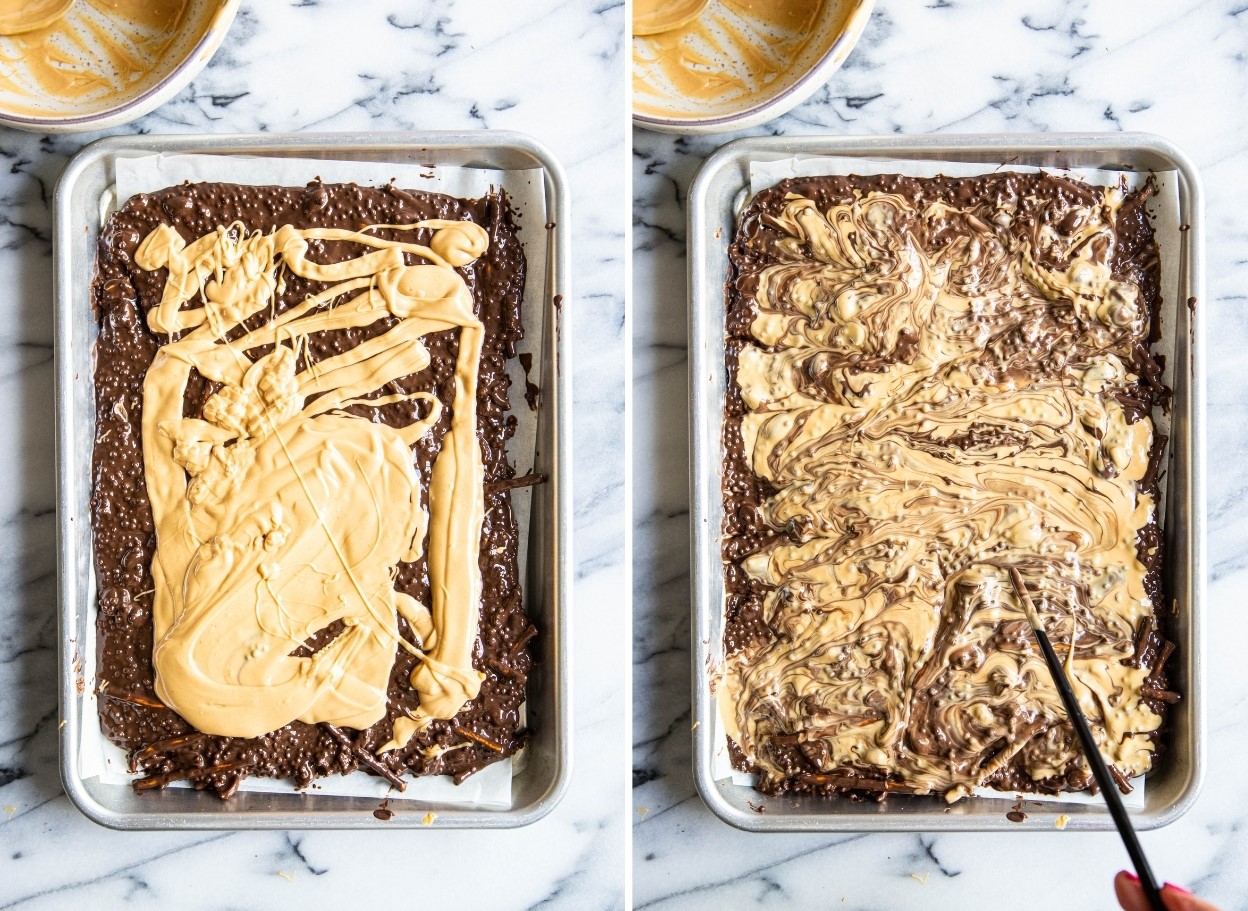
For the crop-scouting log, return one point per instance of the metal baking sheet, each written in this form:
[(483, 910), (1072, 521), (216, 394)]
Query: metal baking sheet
[(1173, 786), (539, 786)]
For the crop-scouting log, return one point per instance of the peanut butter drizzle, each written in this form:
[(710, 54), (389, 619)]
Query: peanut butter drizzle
[(917, 457), (734, 50), (92, 55), (277, 512)]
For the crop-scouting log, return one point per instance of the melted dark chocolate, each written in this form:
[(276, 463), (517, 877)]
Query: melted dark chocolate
[(161, 744)]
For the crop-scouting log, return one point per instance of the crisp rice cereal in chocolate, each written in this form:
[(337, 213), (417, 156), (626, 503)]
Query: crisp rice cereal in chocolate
[(933, 384), (163, 746)]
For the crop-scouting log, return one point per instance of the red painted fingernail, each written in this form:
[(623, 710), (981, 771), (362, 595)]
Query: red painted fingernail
[(1176, 888), (1131, 876)]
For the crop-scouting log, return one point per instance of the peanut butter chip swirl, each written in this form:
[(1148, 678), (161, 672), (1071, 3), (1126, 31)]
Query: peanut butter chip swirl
[(936, 394), (278, 511)]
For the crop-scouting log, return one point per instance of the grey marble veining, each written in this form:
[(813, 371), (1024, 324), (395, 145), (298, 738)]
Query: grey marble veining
[(1178, 69), (548, 68)]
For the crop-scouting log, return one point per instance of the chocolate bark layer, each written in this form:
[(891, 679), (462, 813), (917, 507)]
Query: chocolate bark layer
[(931, 381), (162, 744)]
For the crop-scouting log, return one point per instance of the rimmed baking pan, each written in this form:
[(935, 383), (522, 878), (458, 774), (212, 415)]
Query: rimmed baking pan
[(714, 202), (543, 776)]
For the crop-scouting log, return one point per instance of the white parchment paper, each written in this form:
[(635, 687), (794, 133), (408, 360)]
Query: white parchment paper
[(1164, 212), (525, 188)]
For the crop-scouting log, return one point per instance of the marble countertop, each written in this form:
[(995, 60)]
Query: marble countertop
[(337, 65), (1178, 69)]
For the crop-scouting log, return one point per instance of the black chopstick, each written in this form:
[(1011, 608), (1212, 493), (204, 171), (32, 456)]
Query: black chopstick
[(1091, 752)]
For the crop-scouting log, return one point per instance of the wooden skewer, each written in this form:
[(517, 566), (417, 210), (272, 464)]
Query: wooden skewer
[(1091, 752)]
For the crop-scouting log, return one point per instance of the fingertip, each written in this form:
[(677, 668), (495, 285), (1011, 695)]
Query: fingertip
[(1177, 898), (1129, 893)]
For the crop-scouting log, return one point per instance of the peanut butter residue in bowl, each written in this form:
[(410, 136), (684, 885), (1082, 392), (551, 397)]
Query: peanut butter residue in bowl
[(99, 55), (20, 16), (654, 17), (733, 55)]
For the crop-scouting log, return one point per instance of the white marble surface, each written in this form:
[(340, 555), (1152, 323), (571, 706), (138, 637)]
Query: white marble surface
[(551, 68), (1179, 69)]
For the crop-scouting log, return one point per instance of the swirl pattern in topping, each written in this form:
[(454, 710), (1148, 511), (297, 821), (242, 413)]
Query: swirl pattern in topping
[(937, 381)]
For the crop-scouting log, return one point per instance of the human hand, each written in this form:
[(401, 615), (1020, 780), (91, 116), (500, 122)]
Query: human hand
[(1131, 896)]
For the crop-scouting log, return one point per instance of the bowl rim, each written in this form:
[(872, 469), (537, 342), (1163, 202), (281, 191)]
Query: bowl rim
[(211, 38), (786, 98)]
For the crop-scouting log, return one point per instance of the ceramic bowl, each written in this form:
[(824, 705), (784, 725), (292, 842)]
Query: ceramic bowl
[(837, 27), (98, 68)]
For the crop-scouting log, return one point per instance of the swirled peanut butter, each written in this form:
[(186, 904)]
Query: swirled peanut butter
[(937, 383), (279, 512)]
